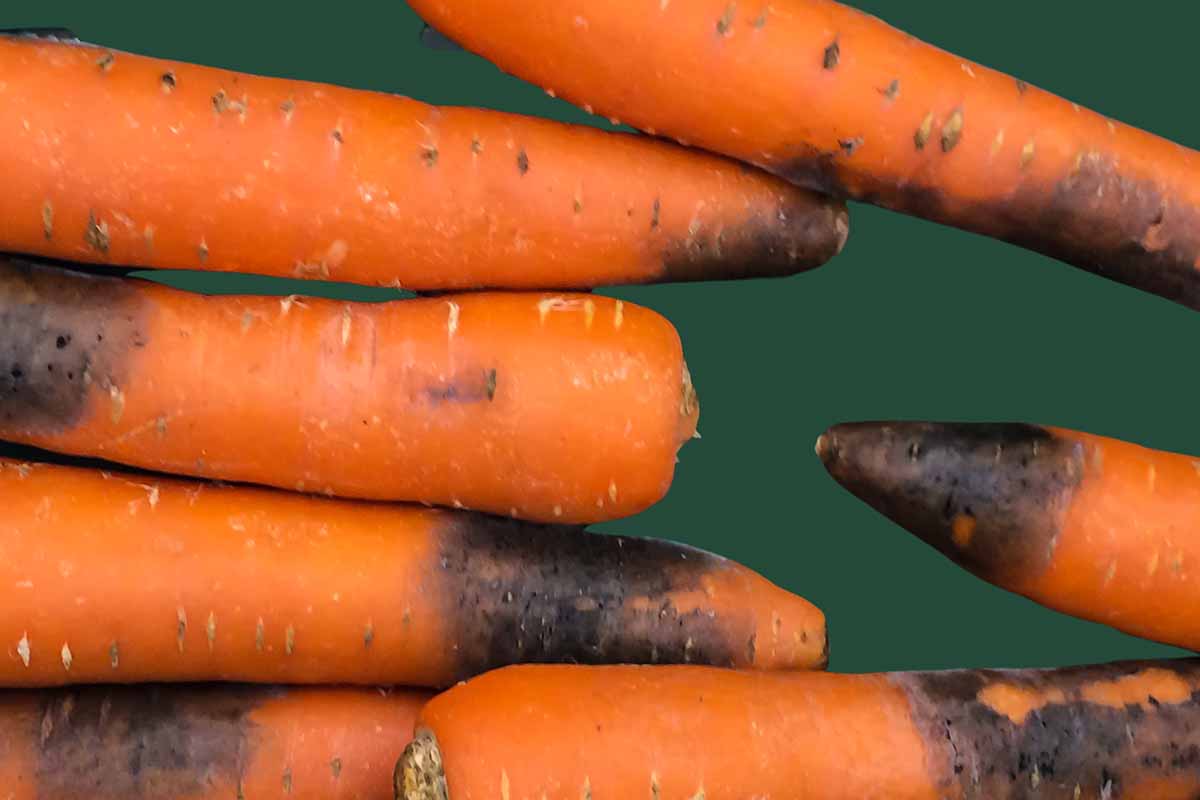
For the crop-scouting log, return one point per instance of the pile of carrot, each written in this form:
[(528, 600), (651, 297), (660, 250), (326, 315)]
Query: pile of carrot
[(310, 548)]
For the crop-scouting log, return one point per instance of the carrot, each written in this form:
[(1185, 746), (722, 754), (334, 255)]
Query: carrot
[(115, 158), (681, 733), (114, 578), (1096, 528), (563, 408), (837, 100), (203, 743)]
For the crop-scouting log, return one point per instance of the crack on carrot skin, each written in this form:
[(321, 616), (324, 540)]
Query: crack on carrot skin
[(476, 146), (220, 102), (56, 328), (833, 55), (338, 136), (154, 741), (1070, 740)]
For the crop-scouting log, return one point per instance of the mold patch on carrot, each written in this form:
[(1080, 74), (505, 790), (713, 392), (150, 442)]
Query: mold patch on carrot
[(59, 334), (989, 496)]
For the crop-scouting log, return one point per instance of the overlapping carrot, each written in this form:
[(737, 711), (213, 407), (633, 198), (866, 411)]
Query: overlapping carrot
[(1094, 527), (115, 158), (566, 408), (113, 578), (684, 733), (203, 743), (837, 100)]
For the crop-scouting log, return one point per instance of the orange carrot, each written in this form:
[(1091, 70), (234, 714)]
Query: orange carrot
[(563, 408), (203, 743), (1093, 527), (115, 158), (115, 579), (692, 733), (837, 100)]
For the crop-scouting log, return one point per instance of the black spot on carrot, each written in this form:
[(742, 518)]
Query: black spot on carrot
[(833, 55), (429, 154), (105, 62), (892, 91), (978, 752), (524, 593), (725, 23), (467, 386), (849, 146), (522, 162), (143, 741), (168, 81), (1014, 480), (96, 234), (491, 384), (655, 214), (56, 327), (337, 136), (1022, 86)]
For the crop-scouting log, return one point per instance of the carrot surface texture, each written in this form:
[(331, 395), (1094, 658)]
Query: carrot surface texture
[(837, 100), (115, 578), (115, 158), (203, 743), (1097, 528), (565, 408), (1120, 731)]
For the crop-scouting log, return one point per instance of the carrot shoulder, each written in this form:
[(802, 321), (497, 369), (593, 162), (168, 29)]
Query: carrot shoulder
[(681, 733), (116, 158), (115, 578), (203, 743), (1097, 528), (837, 100), (565, 408)]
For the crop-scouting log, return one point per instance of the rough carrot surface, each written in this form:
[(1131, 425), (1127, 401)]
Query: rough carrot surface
[(837, 100), (115, 158), (1094, 527), (203, 743), (681, 733), (551, 407), (112, 578)]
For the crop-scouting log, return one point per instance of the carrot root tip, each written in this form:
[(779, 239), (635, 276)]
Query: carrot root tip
[(419, 773)]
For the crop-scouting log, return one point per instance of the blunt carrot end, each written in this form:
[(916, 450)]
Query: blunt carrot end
[(419, 773), (986, 495)]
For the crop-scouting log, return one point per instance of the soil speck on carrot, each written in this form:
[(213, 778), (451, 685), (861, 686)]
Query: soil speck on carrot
[(1022, 86)]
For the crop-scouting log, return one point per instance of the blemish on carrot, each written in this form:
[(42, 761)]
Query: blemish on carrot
[(23, 649), (287, 780), (96, 234), (429, 154), (1022, 86), (522, 162), (452, 321), (118, 404), (892, 91), (849, 146), (114, 655), (655, 787), (202, 251), (655, 213), (1177, 563), (66, 657), (618, 314), (1163, 686), (963, 530), (952, 131), (725, 23), (1156, 239), (180, 627), (612, 491), (490, 385), (368, 634), (833, 55), (1035, 779), (967, 69), (558, 512), (1027, 153), (105, 62), (210, 630), (476, 145), (1110, 573), (220, 102), (586, 792), (260, 635), (287, 107), (48, 220), (148, 236), (699, 795), (921, 137), (289, 640), (1016, 702), (335, 767), (168, 82)]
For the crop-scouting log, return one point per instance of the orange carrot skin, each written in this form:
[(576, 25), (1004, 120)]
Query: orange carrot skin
[(202, 743), (1093, 527), (161, 164), (118, 578), (560, 408), (677, 733), (838, 100)]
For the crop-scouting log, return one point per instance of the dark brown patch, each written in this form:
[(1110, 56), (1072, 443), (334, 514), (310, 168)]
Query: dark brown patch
[(468, 386), (144, 741), (169, 81), (105, 62), (522, 162), (655, 213), (1106, 752), (795, 238), (892, 90), (524, 593), (1013, 480), (430, 156), (833, 55), (725, 23), (850, 146), (337, 136), (59, 330)]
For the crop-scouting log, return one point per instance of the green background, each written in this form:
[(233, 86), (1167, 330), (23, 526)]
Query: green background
[(911, 321)]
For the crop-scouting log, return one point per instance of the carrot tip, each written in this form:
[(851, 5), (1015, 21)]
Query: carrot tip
[(419, 773)]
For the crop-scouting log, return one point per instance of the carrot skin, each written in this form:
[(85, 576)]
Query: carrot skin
[(1122, 730), (161, 164), (194, 743), (1090, 526), (261, 586), (837, 100), (557, 408)]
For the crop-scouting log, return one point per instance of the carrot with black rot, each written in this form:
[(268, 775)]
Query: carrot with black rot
[(1112, 731), (116, 578), (1090, 526), (164, 742), (553, 407), (837, 100), (116, 158)]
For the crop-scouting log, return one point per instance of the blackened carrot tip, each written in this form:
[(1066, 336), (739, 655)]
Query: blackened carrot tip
[(420, 774), (989, 496)]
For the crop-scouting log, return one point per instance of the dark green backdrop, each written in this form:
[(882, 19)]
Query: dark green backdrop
[(912, 321)]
